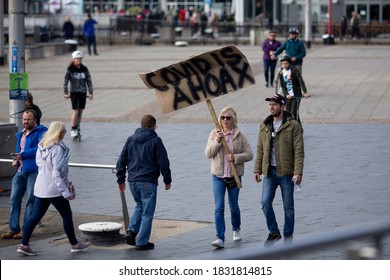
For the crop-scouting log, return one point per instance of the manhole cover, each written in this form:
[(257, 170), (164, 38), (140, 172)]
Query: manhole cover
[(101, 232)]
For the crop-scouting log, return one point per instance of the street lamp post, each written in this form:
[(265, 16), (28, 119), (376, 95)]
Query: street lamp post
[(16, 53), (2, 59), (329, 38), (330, 17), (308, 23)]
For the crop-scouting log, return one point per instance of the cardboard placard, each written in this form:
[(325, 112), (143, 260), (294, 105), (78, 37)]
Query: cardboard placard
[(200, 78)]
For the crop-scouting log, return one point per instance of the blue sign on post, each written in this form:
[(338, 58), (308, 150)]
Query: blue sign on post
[(14, 63)]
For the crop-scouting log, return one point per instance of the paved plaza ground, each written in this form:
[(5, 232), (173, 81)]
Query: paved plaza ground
[(346, 128)]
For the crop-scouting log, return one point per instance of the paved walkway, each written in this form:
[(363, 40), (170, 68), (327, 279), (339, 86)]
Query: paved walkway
[(346, 123)]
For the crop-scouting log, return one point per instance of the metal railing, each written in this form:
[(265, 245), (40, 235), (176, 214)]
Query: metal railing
[(221, 34), (98, 166), (79, 165), (127, 29), (83, 165)]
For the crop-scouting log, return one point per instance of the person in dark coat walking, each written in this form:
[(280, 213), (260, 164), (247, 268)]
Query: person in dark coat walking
[(144, 158), (89, 34), (68, 28), (343, 27)]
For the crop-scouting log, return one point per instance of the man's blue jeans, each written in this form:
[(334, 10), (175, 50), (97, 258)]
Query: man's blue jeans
[(219, 189), (270, 184), (21, 183), (145, 197)]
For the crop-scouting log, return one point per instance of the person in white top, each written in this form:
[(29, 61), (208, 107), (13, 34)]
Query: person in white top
[(292, 85), (51, 187)]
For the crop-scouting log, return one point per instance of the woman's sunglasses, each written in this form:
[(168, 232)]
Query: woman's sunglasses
[(228, 118)]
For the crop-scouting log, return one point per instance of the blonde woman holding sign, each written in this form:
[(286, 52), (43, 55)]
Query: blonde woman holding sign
[(223, 180)]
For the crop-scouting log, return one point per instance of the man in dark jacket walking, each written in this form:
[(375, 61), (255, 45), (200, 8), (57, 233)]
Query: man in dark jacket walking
[(294, 48), (144, 157), (279, 157), (89, 34)]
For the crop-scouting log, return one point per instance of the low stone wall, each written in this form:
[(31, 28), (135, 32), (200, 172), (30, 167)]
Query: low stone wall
[(44, 50)]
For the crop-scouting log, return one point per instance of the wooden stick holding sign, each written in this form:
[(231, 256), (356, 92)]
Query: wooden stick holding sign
[(224, 144), (125, 212), (201, 78)]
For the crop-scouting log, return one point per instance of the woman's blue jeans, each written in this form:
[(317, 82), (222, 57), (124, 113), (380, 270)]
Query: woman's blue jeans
[(21, 183), (270, 184), (145, 197), (40, 208), (219, 189), (269, 70)]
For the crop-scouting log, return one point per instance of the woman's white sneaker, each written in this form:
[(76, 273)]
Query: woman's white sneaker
[(236, 235), (218, 243)]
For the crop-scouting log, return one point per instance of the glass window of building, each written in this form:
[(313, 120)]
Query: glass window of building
[(362, 11), (349, 9), (324, 13), (374, 13), (386, 13)]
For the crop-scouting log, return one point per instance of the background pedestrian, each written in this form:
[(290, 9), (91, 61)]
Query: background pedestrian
[(77, 74), (89, 34), (355, 31), (293, 47), (292, 85), (343, 27), (68, 28), (29, 104), (270, 44)]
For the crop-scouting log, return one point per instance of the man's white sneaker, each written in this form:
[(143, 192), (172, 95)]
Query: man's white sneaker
[(74, 132), (218, 243), (236, 235)]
